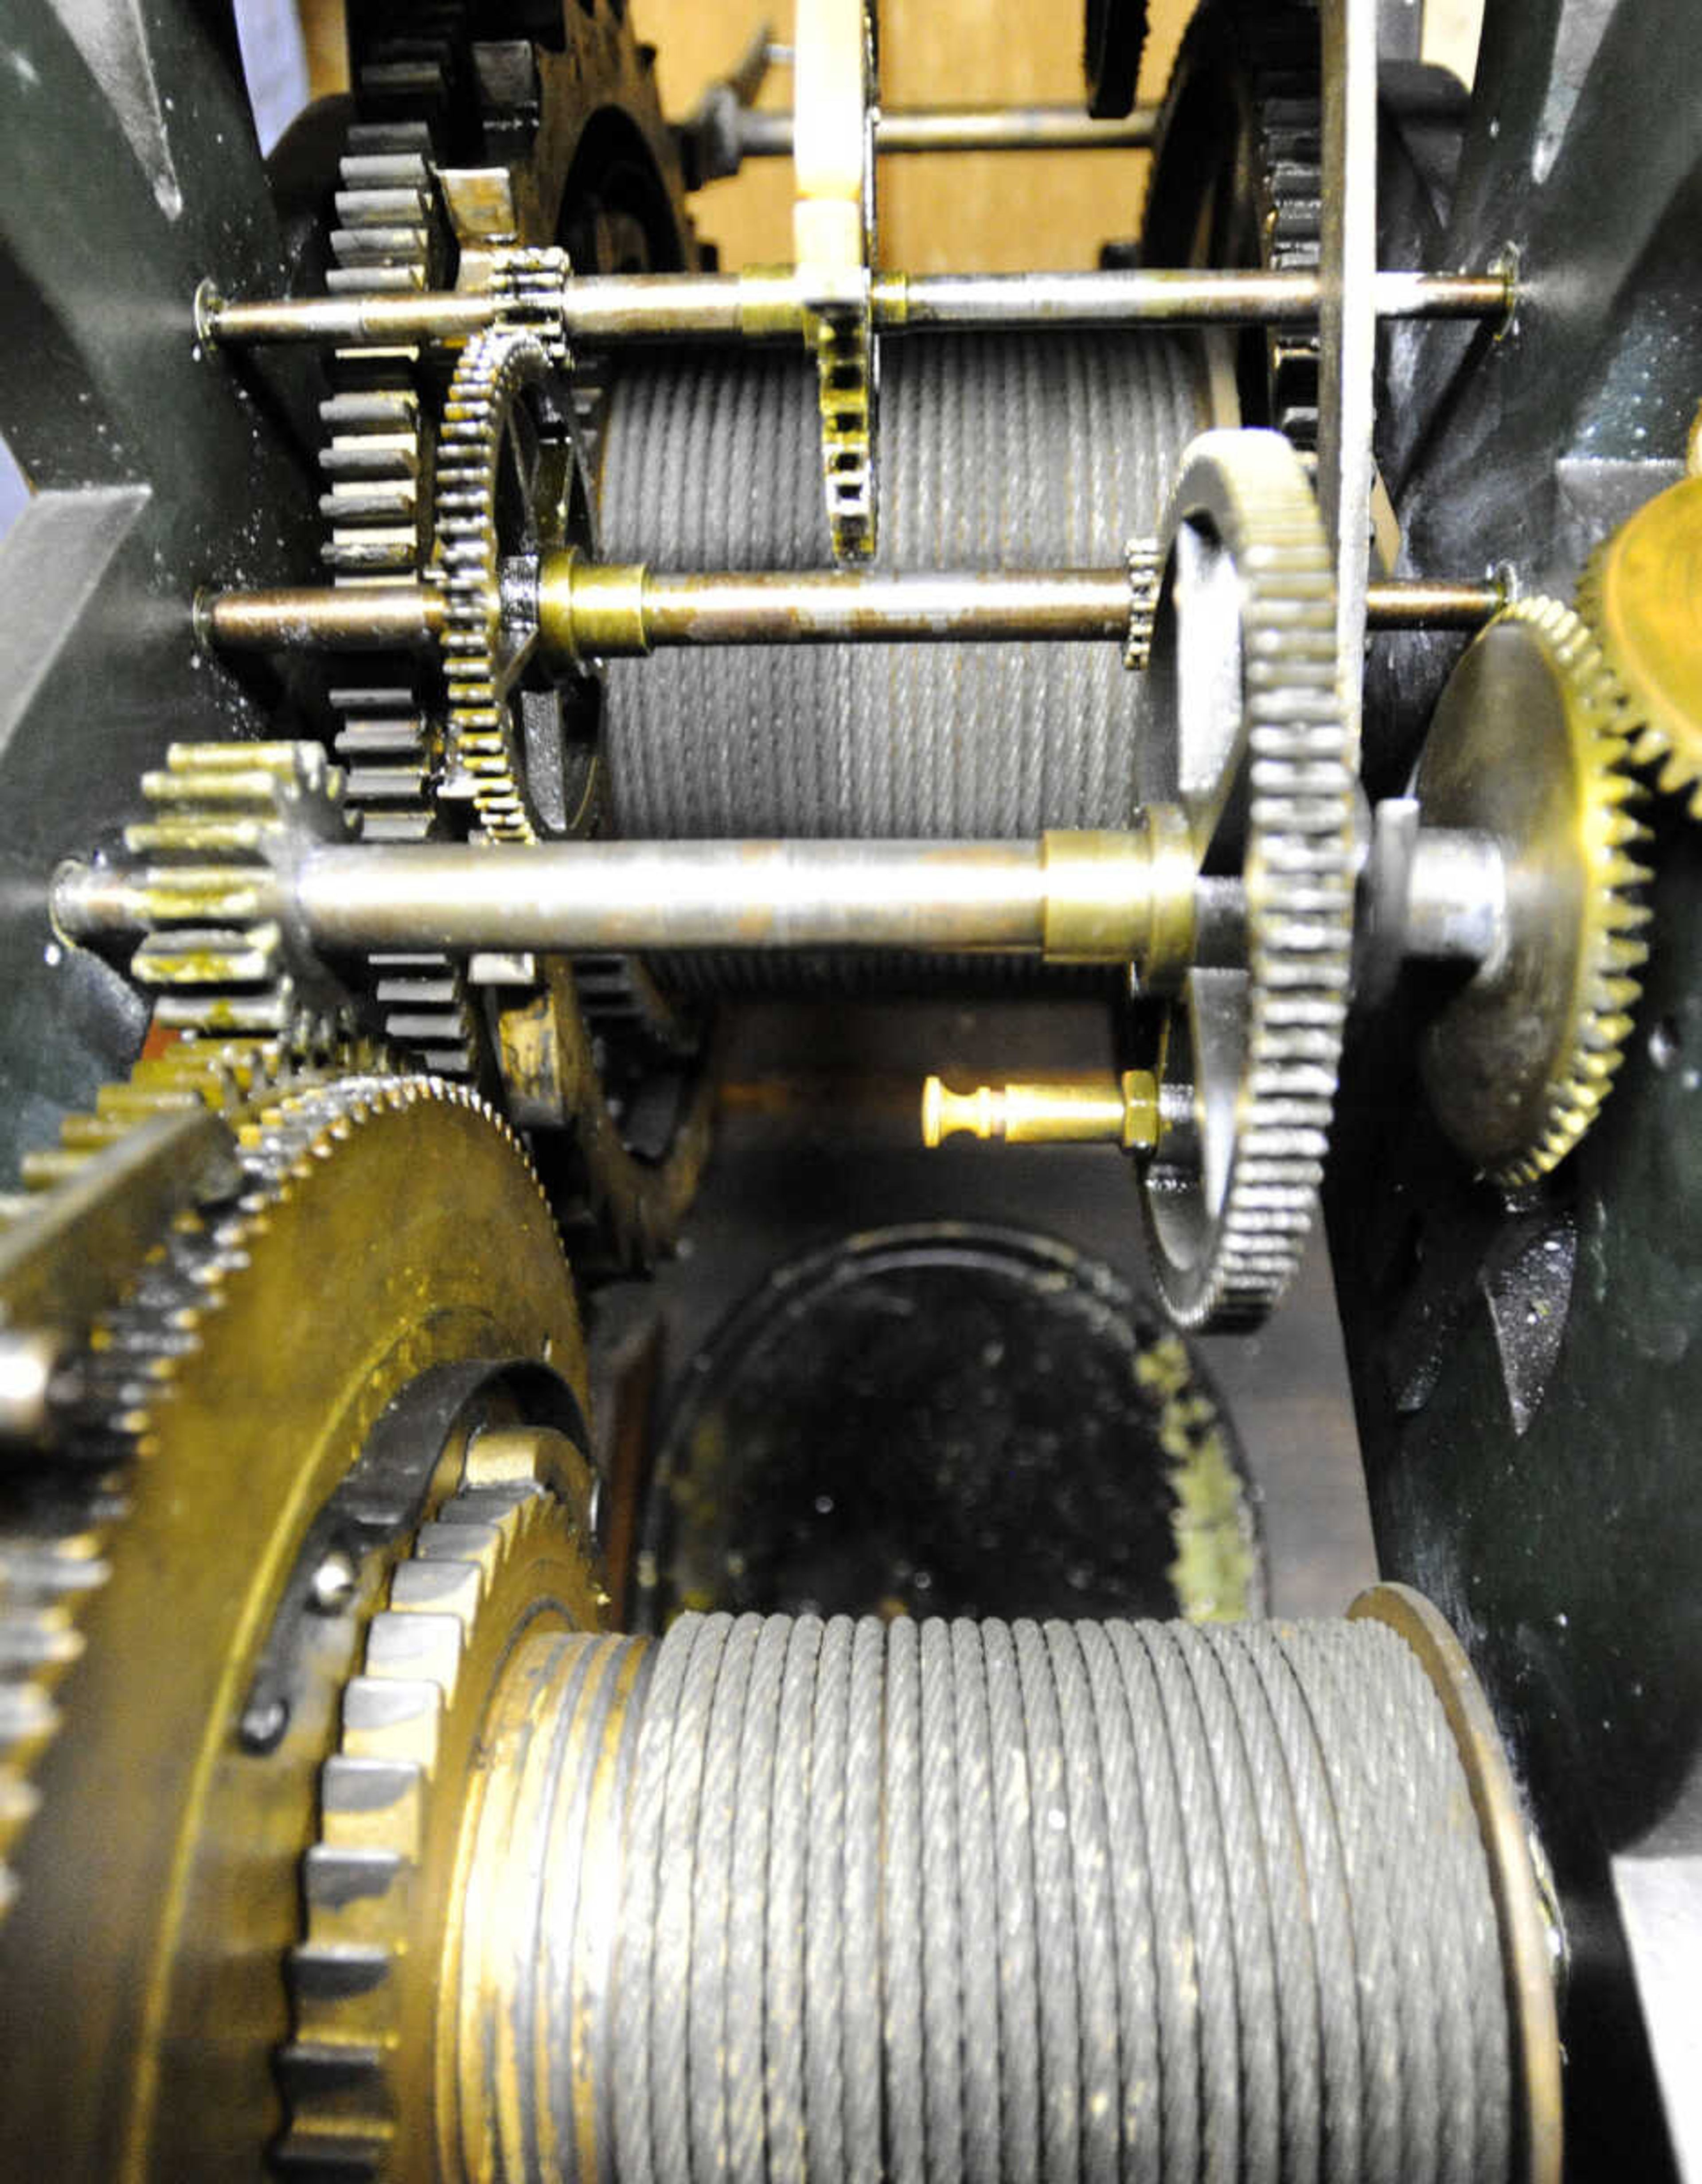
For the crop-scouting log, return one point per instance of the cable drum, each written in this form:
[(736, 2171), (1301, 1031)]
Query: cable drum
[(1080, 1900), (1004, 452)]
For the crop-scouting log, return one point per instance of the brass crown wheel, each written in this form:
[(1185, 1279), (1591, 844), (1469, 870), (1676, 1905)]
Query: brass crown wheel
[(1642, 597), (1528, 747)]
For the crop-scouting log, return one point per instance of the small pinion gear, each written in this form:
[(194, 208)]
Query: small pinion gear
[(1529, 746)]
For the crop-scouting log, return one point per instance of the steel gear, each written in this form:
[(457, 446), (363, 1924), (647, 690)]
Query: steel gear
[(499, 406), (1230, 1195), (196, 1424), (1638, 596), (1529, 746), (1237, 178), (505, 1558)]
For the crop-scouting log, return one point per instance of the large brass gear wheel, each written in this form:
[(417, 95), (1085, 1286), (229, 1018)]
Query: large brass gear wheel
[(1641, 595), (262, 1340), (1528, 746)]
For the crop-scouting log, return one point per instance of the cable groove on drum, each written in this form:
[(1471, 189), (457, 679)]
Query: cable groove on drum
[(982, 1900), (998, 452)]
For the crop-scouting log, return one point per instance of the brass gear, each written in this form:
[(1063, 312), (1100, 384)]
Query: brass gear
[(506, 1559), (1528, 745), (1639, 594), (144, 1567)]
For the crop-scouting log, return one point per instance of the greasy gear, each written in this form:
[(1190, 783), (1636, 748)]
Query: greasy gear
[(1640, 594), (1528, 744)]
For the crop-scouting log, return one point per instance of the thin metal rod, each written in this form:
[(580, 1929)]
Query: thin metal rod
[(1147, 297), (1419, 603), (321, 617), (907, 129), (589, 609), (838, 608), (695, 307), (593, 895)]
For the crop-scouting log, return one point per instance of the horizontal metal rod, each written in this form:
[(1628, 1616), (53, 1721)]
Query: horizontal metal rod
[(765, 894), (1419, 603), (601, 610), (321, 617), (770, 306), (592, 611), (906, 129), (1075, 896)]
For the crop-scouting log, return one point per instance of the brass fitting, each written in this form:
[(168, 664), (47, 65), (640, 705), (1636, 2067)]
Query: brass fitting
[(1117, 897), (591, 610), (1085, 1111), (769, 304)]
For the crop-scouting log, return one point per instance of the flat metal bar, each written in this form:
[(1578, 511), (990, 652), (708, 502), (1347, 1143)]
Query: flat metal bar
[(911, 129)]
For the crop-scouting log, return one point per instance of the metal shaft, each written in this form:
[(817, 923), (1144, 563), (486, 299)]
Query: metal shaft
[(692, 306), (1080, 896), (769, 135), (604, 611), (330, 617)]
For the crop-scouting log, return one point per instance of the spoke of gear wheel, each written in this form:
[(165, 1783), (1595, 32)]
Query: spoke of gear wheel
[(1248, 491)]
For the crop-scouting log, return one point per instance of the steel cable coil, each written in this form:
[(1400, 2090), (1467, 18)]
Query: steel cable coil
[(997, 453), (973, 1900)]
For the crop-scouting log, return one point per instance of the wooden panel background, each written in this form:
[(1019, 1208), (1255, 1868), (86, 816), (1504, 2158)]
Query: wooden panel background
[(999, 211)]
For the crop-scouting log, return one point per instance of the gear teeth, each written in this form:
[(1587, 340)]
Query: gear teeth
[(481, 760), (1611, 833), (1665, 738), (288, 1111), (1298, 872), (362, 1882)]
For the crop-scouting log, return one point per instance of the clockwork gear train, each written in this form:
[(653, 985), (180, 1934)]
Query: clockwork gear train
[(468, 650)]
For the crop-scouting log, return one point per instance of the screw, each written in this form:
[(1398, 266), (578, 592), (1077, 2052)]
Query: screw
[(332, 1586)]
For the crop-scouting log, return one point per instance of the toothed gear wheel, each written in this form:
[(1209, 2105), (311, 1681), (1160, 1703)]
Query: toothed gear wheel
[(53, 1545), (501, 1562), (143, 1569), (223, 813), (501, 407), (1529, 746), (1237, 177), (390, 237), (1264, 770), (1637, 595)]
